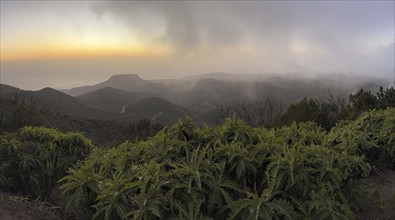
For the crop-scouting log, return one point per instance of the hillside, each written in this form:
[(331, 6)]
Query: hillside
[(156, 109), (68, 105), (205, 94), (54, 101), (51, 108), (111, 99)]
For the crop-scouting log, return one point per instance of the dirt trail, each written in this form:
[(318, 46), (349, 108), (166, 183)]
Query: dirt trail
[(123, 109), (385, 184), (25, 210), (155, 116)]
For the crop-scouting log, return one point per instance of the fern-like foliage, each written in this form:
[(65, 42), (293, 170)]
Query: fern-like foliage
[(34, 159), (233, 171)]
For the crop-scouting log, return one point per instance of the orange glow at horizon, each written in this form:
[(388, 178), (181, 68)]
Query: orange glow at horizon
[(80, 51)]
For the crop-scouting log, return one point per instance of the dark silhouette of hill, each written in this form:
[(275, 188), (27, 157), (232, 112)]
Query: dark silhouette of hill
[(68, 105), (55, 101), (111, 99), (6, 89), (103, 104), (51, 108), (156, 109)]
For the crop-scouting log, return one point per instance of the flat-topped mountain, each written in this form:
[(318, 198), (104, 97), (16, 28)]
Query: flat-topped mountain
[(128, 82)]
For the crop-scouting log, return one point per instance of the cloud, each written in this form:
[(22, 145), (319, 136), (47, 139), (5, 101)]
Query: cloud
[(330, 36), (191, 24), (211, 36)]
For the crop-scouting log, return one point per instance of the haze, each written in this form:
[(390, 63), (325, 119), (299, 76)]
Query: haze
[(72, 43)]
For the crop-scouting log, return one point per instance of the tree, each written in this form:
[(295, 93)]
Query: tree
[(16, 113), (258, 113), (386, 98), (305, 110), (362, 101)]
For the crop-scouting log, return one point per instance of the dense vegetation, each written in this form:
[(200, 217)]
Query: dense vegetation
[(232, 171), (329, 111), (235, 171), (34, 159)]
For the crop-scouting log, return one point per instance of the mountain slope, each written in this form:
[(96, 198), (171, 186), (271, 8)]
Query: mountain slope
[(68, 105), (156, 109), (55, 101), (111, 99), (203, 95)]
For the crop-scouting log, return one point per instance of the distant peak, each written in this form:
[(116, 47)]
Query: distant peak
[(125, 76), (47, 89)]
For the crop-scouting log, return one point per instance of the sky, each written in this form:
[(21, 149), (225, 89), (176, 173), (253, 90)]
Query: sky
[(63, 44)]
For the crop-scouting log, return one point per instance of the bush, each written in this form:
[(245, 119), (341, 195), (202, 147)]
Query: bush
[(232, 171), (371, 135), (34, 159)]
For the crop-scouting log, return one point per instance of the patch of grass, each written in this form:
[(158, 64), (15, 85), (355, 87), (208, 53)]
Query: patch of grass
[(18, 199)]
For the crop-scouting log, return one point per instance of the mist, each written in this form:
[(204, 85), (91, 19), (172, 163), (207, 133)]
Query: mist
[(312, 38)]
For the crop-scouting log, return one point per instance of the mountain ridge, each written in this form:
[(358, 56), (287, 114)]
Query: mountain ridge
[(54, 100), (112, 99), (128, 82)]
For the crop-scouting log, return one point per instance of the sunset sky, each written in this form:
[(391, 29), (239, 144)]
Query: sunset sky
[(64, 44)]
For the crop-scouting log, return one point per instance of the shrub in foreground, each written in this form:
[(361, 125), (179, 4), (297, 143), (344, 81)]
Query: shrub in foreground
[(34, 159), (234, 171)]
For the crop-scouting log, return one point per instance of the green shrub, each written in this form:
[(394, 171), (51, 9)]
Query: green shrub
[(35, 158), (232, 171), (371, 135)]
